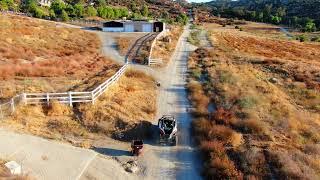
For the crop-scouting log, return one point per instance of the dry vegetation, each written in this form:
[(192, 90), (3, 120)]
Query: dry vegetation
[(43, 56), (124, 110), (124, 44), (5, 173), (165, 47), (266, 119)]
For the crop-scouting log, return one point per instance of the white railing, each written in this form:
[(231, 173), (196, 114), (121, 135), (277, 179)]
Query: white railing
[(150, 60), (64, 97)]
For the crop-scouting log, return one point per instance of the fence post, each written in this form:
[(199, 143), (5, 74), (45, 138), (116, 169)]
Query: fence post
[(92, 97), (24, 98), (1, 113), (70, 99), (48, 99), (12, 105)]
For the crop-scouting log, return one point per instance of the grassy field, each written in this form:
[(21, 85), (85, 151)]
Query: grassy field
[(127, 107), (39, 56), (256, 105), (163, 48)]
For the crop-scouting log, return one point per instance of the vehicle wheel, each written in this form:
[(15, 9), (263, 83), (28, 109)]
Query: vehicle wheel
[(174, 141)]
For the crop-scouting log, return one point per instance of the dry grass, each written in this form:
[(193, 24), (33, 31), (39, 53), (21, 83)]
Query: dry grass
[(54, 122), (124, 44), (5, 173), (36, 54), (164, 49), (130, 102), (265, 90), (128, 107)]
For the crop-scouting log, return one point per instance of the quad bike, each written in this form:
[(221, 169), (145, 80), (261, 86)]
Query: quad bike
[(168, 130), (136, 147)]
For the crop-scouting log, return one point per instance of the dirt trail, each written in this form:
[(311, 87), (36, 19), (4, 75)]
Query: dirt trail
[(181, 161)]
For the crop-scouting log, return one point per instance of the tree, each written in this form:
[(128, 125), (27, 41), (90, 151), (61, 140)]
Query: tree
[(133, 7), (136, 16), (64, 16), (109, 12), (52, 14), (38, 13), (182, 19), (310, 27), (70, 10), (4, 6), (275, 19), (79, 9), (7, 5), (116, 13), (102, 3), (102, 12), (145, 11), (124, 12), (91, 11), (58, 7)]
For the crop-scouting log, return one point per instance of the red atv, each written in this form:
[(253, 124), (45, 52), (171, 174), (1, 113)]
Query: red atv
[(136, 147)]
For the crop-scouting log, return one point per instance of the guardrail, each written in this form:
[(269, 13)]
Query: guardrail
[(64, 97)]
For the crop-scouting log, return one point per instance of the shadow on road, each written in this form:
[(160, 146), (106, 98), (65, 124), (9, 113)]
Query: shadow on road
[(111, 152)]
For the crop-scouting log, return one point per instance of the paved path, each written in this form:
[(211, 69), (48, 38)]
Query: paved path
[(47, 160)]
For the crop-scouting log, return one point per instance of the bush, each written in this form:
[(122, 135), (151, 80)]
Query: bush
[(222, 168), (215, 148), (223, 116), (301, 38), (64, 16), (251, 126), (315, 39), (246, 102), (57, 109), (91, 11), (226, 77)]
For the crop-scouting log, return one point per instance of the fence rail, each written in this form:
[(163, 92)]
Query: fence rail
[(8, 108), (150, 60)]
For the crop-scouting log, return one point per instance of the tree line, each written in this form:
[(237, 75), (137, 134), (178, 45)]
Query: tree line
[(300, 14), (75, 9)]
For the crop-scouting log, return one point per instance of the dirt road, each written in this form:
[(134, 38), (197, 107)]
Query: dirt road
[(181, 161), (53, 160)]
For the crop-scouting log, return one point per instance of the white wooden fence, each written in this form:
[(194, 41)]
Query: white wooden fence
[(64, 97), (155, 61)]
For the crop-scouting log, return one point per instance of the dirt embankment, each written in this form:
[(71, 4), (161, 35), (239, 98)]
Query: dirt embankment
[(256, 106)]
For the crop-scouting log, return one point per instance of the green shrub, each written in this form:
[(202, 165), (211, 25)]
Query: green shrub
[(196, 73), (301, 38)]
